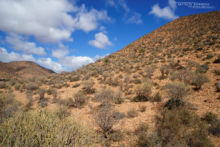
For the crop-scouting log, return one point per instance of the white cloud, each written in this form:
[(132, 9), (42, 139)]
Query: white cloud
[(59, 53), (101, 41), (47, 20), (49, 63), (5, 56), (117, 4), (136, 18), (111, 3), (18, 43), (166, 12), (74, 62), (88, 20)]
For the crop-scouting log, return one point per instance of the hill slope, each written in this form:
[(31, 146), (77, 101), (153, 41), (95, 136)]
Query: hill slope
[(170, 73), (23, 69)]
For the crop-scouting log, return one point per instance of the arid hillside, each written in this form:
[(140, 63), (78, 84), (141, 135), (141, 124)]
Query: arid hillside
[(23, 69), (161, 90)]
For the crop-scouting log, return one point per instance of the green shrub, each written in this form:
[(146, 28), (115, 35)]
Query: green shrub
[(177, 90), (42, 128)]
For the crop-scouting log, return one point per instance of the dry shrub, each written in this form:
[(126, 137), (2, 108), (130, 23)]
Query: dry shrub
[(143, 92), (8, 105), (149, 71), (132, 113), (42, 128), (104, 118), (80, 99), (32, 86), (198, 80), (88, 87), (3, 85), (177, 90), (108, 95), (176, 127)]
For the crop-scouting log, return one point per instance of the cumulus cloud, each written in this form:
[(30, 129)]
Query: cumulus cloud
[(136, 18), (49, 63), (74, 62), (118, 3), (167, 12), (18, 43), (48, 20), (5, 56), (88, 20), (101, 41)]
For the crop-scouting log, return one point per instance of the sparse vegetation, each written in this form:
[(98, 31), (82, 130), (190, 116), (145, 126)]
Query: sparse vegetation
[(80, 99), (132, 113)]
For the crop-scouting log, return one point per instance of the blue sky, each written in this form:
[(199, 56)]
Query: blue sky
[(64, 35)]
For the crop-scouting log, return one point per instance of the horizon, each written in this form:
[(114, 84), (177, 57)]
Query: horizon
[(63, 35)]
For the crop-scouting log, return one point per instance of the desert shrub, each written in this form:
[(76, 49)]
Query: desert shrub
[(182, 75), (118, 115), (88, 87), (142, 108), (76, 85), (202, 68), (80, 99), (74, 78), (17, 86), (8, 105), (62, 111), (164, 71), (108, 95), (132, 113), (116, 136), (210, 117), (214, 129), (3, 85), (198, 80), (177, 90), (12, 82), (41, 93), (149, 71), (156, 97), (217, 85), (142, 133), (51, 91), (104, 118), (42, 128), (181, 127), (143, 92), (217, 72), (117, 98), (173, 103), (32, 86), (217, 60)]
